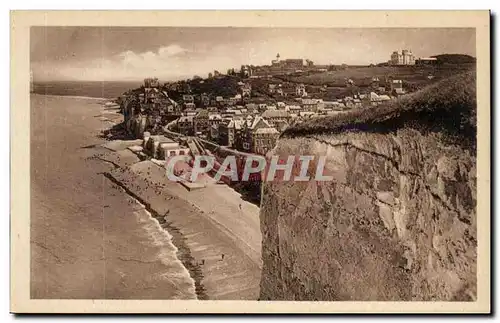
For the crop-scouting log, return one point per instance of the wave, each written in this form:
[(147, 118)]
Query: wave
[(174, 270)]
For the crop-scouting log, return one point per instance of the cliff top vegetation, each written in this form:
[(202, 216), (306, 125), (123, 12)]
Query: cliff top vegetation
[(448, 106)]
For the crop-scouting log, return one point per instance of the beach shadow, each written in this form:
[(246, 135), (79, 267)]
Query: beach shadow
[(116, 132), (250, 191), (89, 146)]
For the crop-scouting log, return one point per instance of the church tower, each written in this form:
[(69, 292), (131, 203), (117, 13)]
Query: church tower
[(277, 60)]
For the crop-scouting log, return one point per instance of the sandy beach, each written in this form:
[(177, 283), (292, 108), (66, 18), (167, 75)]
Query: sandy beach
[(106, 226)]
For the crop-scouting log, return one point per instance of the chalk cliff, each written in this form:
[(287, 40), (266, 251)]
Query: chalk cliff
[(398, 220)]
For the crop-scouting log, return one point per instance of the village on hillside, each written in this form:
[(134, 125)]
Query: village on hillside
[(179, 164), (246, 109)]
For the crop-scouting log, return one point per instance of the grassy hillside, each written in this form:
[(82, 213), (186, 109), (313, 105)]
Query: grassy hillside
[(413, 76), (455, 59), (448, 106), (224, 86)]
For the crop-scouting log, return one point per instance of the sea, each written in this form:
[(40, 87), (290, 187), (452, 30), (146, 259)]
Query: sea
[(88, 252), (92, 89)]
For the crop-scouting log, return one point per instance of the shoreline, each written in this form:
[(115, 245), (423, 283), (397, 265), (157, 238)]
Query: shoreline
[(89, 239), (178, 240), (74, 96), (213, 250), (218, 245)]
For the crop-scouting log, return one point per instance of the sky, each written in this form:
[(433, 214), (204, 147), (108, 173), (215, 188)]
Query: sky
[(172, 53)]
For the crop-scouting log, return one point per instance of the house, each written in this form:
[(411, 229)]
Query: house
[(187, 98), (223, 131), (189, 106), (396, 87), (158, 102), (405, 57), (214, 132), (228, 131), (398, 92), (293, 108), (205, 99), (190, 112), (256, 136), (151, 82), (374, 99), (300, 90), (185, 125), (375, 83), (330, 105), (246, 90), (288, 92), (214, 119), (309, 105), (231, 112), (152, 145), (324, 111), (264, 139), (274, 116), (201, 123), (262, 106), (171, 149), (251, 106)]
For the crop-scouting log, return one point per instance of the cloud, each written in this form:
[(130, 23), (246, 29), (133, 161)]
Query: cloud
[(171, 50), (166, 62), (149, 58)]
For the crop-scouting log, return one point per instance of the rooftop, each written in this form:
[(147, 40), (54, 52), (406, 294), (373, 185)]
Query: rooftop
[(270, 130), (448, 106), (275, 114)]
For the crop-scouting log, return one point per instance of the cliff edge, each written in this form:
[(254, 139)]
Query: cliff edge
[(398, 220)]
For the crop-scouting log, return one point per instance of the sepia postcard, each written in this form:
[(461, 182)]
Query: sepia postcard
[(250, 162)]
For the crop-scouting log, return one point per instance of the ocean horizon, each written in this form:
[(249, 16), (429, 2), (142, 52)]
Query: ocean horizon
[(93, 89)]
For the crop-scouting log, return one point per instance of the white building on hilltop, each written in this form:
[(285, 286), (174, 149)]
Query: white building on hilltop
[(406, 57)]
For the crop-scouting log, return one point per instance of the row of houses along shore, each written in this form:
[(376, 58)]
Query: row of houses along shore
[(250, 120)]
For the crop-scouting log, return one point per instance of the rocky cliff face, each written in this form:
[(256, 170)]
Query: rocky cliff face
[(397, 222)]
